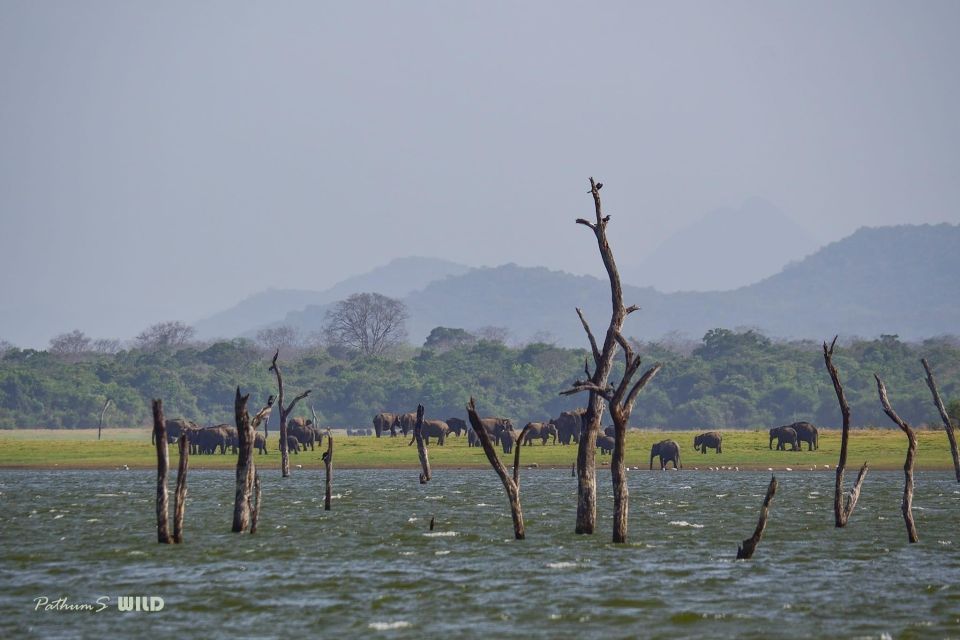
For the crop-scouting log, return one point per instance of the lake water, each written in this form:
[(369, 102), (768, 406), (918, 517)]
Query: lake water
[(370, 568)]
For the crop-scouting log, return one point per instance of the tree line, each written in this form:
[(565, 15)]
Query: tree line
[(729, 379)]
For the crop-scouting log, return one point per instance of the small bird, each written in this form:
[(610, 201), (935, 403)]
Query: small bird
[(599, 186)]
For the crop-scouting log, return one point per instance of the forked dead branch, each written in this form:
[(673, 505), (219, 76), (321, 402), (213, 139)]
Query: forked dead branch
[(906, 506)]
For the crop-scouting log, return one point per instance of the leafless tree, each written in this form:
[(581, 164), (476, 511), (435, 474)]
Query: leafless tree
[(106, 346), (366, 323), (6, 346), (493, 334), (283, 337), (284, 414), (70, 344), (164, 336), (620, 397), (906, 505), (944, 416)]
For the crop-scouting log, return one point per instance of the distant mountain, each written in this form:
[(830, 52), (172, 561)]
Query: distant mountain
[(741, 246), (898, 280), (395, 279)]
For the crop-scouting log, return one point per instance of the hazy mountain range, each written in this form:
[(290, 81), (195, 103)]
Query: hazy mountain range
[(900, 280)]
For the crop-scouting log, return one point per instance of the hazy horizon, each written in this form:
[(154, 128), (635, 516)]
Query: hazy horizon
[(166, 161)]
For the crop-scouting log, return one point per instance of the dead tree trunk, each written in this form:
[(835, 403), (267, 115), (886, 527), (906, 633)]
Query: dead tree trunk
[(620, 399), (328, 465), (180, 495), (842, 508), (421, 447), (906, 506), (163, 462), (102, 412), (246, 469), (516, 455), (745, 550), (284, 412), (255, 508), (512, 488), (943, 416)]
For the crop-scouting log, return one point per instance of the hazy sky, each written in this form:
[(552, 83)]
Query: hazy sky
[(163, 160)]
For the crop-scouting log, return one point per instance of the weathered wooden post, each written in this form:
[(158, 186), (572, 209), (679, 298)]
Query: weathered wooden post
[(255, 510), (328, 465), (951, 437), (421, 447), (284, 412), (746, 549), (906, 506), (180, 495), (163, 461), (842, 509), (512, 488)]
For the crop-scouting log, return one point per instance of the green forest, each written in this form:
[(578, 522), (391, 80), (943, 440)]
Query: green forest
[(729, 379)]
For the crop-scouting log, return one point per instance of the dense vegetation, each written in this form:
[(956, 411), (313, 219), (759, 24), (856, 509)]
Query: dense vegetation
[(730, 379)]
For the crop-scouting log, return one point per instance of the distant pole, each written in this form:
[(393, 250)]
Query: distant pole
[(180, 495), (160, 438)]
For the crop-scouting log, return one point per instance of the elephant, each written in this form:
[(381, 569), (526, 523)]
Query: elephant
[(712, 439), (610, 431), (784, 435), (507, 438), (260, 443), (432, 428), (808, 433), (668, 451), (406, 422), (541, 431), (302, 429), (293, 445), (569, 425), (174, 428), (209, 439), (605, 444), (384, 421), (457, 426)]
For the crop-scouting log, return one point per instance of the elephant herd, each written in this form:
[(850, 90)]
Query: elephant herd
[(301, 433)]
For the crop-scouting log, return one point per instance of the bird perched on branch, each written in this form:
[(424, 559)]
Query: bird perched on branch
[(599, 186)]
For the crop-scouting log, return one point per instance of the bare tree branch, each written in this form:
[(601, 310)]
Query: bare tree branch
[(842, 508), (951, 437), (512, 488), (593, 340), (906, 506), (745, 550)]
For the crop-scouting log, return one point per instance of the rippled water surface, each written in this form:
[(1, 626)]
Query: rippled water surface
[(372, 568)]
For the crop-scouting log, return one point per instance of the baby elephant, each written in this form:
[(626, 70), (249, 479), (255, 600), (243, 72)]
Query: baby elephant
[(711, 439), (260, 443), (605, 444), (293, 444)]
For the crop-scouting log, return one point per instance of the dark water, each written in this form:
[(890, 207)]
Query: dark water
[(370, 567)]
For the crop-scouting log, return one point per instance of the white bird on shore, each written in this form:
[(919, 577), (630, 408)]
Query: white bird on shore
[(299, 466), (126, 468), (788, 468)]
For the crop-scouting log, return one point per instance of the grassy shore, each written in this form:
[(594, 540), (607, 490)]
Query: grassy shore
[(79, 449)]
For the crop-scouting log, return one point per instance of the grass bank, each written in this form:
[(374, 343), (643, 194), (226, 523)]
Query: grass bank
[(78, 449)]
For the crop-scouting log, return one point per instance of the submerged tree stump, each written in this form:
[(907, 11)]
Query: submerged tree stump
[(951, 437), (746, 549), (421, 447), (180, 495), (906, 505), (163, 462), (255, 509), (285, 411), (842, 509), (328, 465), (512, 487), (246, 469)]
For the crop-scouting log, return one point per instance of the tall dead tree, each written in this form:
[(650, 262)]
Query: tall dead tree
[(328, 465), (944, 417), (102, 412), (163, 462), (842, 508), (284, 412), (620, 399), (246, 469), (906, 506), (421, 447), (746, 549), (511, 486), (180, 494)]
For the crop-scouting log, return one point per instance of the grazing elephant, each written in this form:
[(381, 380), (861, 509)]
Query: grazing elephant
[(605, 444), (176, 427), (406, 422), (304, 431), (711, 439), (508, 438), (260, 443), (784, 435), (432, 428), (668, 451), (808, 433), (384, 421), (540, 431), (569, 425), (209, 439), (293, 445), (457, 426)]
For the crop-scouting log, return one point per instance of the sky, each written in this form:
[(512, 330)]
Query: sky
[(161, 161)]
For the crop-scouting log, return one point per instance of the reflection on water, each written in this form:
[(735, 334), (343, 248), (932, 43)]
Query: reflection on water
[(372, 568)]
